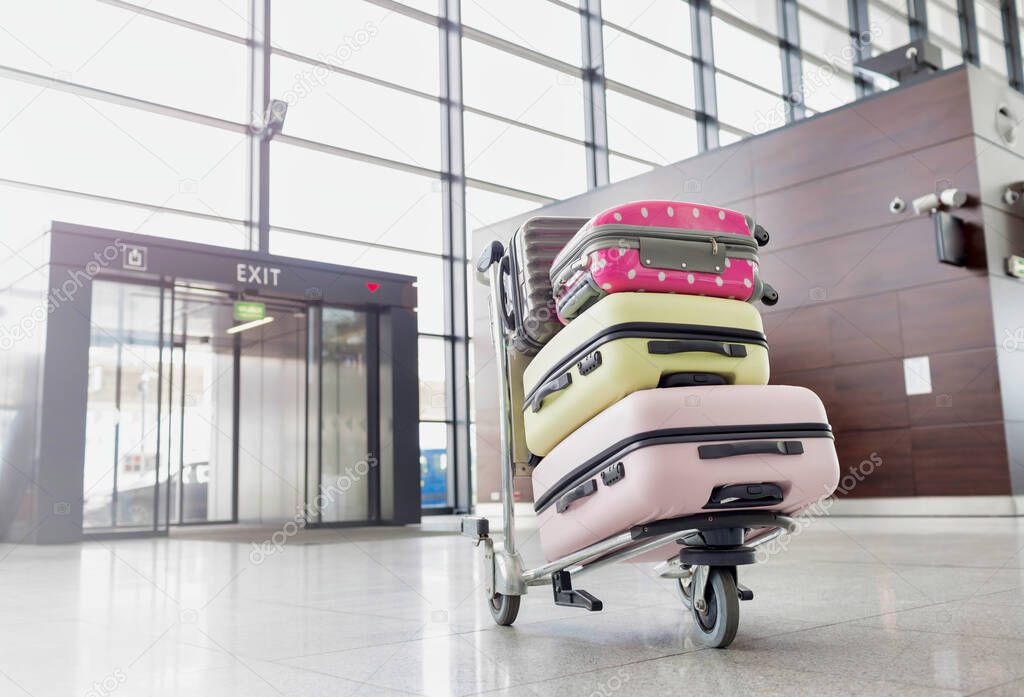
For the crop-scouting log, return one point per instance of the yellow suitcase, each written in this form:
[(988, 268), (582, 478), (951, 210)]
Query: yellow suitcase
[(635, 341)]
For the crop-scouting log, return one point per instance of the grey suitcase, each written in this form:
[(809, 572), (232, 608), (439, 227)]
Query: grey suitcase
[(528, 302)]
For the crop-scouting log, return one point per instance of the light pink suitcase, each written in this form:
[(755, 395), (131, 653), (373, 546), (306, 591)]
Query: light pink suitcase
[(660, 247), (672, 452)]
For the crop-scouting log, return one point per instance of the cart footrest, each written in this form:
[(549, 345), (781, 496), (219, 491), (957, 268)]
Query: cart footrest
[(565, 594)]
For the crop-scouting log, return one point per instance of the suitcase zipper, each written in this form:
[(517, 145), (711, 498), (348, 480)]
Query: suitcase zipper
[(649, 330), (671, 436)]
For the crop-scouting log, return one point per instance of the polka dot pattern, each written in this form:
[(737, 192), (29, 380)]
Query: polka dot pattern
[(619, 267)]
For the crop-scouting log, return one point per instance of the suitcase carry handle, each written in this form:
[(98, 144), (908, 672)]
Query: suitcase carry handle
[(494, 253), (548, 388), (662, 348), (582, 491), (490, 255), (744, 495), (762, 447)]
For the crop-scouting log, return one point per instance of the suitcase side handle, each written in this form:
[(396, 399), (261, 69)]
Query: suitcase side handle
[(762, 447), (582, 491), (662, 348), (553, 385)]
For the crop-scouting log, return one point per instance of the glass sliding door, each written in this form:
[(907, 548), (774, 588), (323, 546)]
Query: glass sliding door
[(122, 455), (201, 405), (272, 416), (345, 476)]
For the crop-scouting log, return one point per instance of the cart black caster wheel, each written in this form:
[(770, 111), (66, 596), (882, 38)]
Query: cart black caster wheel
[(684, 589), (504, 608), (718, 621)]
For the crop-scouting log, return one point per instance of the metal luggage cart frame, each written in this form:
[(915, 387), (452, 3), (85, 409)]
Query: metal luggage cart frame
[(712, 544)]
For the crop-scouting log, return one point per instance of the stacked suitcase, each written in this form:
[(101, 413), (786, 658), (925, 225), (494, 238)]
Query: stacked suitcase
[(652, 402)]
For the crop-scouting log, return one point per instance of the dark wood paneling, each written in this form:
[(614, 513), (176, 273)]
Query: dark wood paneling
[(960, 460), (798, 338), (862, 263), (858, 199), (867, 131), (865, 329), (893, 477), (840, 333), (946, 317), (965, 388), (869, 396)]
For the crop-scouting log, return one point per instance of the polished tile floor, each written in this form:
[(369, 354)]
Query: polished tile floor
[(854, 606)]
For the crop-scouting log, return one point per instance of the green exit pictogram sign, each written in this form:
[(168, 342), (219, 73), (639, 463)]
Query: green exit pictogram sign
[(249, 311)]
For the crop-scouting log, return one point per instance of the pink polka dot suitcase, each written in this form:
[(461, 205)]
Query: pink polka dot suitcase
[(660, 247)]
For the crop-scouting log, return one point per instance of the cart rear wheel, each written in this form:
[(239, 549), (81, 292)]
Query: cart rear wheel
[(504, 608), (720, 618)]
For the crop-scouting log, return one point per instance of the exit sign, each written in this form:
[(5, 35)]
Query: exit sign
[(249, 311)]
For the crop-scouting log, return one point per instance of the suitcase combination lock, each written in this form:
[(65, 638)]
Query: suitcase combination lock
[(590, 363)]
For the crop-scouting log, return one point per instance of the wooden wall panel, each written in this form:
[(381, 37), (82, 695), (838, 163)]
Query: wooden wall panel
[(857, 265), (893, 477), (858, 199), (968, 460), (946, 317), (875, 129), (965, 389)]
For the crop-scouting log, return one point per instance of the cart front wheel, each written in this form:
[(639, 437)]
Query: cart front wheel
[(684, 589), (718, 621), (504, 608)]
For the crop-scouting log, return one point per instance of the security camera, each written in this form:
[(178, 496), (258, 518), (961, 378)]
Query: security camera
[(945, 199), (1012, 193), (273, 118)]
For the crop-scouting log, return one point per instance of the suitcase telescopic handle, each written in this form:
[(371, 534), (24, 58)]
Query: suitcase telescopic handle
[(663, 348), (548, 388), (756, 447)]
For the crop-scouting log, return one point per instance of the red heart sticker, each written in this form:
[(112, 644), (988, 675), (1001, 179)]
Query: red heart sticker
[(372, 287)]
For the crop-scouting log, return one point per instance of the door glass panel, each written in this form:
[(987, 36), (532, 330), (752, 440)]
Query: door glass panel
[(121, 472), (434, 471), (202, 464), (344, 475), (272, 417)]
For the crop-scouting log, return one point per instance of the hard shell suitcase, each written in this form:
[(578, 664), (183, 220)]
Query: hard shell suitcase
[(528, 302), (668, 453), (634, 341), (660, 247)]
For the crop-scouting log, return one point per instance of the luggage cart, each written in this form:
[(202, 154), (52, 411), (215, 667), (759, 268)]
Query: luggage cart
[(712, 545)]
